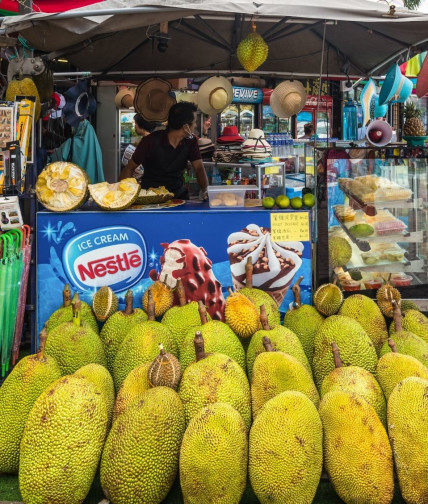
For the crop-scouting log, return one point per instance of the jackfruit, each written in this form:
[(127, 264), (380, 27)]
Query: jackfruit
[(165, 370), (214, 456), (74, 344), (276, 372), (66, 428), (252, 51), (385, 296), (65, 312), (415, 322), (304, 321), (132, 387), (408, 433), (141, 345), (102, 379), (116, 196), (140, 457), (117, 327), (27, 380), (356, 348), (179, 319), (218, 338), (339, 251), (24, 87), (357, 454), (366, 312), (282, 339), (162, 297), (241, 315), (104, 303), (328, 299), (408, 304), (354, 379), (214, 378), (285, 450), (62, 186), (394, 367)]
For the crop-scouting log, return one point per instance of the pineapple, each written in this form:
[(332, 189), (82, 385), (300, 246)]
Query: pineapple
[(413, 125)]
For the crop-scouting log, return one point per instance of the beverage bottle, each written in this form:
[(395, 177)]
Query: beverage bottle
[(350, 129), (215, 176)]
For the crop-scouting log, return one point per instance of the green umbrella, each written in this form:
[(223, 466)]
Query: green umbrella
[(4, 295)]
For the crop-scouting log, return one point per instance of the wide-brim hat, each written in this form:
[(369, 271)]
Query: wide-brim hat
[(256, 141), (396, 87), (422, 82), (366, 98), (230, 134), (125, 97), (80, 104), (153, 99), (288, 98), (214, 95)]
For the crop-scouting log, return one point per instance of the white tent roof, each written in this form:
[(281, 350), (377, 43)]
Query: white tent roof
[(119, 36)]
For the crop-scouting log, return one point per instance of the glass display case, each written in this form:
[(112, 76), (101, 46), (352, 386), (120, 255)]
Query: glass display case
[(377, 206)]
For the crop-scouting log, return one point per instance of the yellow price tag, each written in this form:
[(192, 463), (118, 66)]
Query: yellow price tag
[(289, 226), (271, 170)]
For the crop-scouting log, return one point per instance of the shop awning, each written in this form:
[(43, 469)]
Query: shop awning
[(361, 38)]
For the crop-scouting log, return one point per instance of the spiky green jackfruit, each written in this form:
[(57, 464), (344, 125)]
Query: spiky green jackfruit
[(252, 51), (242, 315), (104, 303), (258, 298), (132, 387), (409, 344), (339, 251), (180, 319), (328, 299), (214, 456)]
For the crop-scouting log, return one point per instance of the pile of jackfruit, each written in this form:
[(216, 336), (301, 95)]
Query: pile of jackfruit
[(248, 409)]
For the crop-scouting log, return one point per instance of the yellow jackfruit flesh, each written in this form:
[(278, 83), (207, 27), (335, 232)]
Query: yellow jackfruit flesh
[(366, 312), (357, 454), (117, 196), (304, 321), (276, 372), (179, 319), (354, 379), (140, 457), (216, 378), (104, 303), (141, 345), (355, 347), (66, 428), (27, 380), (241, 315), (62, 186), (132, 387), (218, 338), (252, 51), (285, 450), (214, 456), (408, 432), (163, 298), (394, 367), (281, 339)]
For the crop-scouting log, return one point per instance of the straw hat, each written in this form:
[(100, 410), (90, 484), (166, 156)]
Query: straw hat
[(256, 141), (214, 95), (153, 99), (79, 104), (288, 98), (422, 82), (125, 97)]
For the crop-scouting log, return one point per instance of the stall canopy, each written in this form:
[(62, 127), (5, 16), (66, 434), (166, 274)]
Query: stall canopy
[(116, 37)]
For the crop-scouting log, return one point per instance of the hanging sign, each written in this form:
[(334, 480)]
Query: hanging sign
[(247, 95)]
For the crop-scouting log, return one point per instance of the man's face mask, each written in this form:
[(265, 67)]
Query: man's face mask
[(188, 131)]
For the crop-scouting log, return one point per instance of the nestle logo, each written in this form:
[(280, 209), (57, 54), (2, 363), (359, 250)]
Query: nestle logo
[(114, 256)]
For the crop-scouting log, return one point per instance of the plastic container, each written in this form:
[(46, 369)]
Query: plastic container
[(376, 283), (370, 257), (394, 255), (392, 226), (351, 285), (225, 196), (401, 280), (291, 191)]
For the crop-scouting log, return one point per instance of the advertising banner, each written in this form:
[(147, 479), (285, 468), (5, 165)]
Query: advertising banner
[(206, 249)]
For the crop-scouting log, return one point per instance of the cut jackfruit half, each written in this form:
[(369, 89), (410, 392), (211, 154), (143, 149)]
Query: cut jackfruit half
[(117, 196), (62, 186), (154, 195)]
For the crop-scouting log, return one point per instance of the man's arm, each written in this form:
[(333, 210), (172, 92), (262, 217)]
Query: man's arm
[(201, 175), (128, 170)]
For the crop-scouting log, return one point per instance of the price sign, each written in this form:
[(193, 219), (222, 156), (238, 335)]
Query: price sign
[(272, 170), (289, 226)]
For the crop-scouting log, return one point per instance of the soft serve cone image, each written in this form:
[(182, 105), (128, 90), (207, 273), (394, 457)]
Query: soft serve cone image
[(274, 263)]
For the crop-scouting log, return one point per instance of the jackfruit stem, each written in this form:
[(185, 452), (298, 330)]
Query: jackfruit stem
[(230, 291), (296, 292), (180, 293), (66, 296), (202, 312), (43, 336), (264, 318), (392, 345), (150, 306), (249, 273), (129, 299), (336, 355), (397, 316), (199, 346), (161, 349), (76, 305), (267, 344)]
